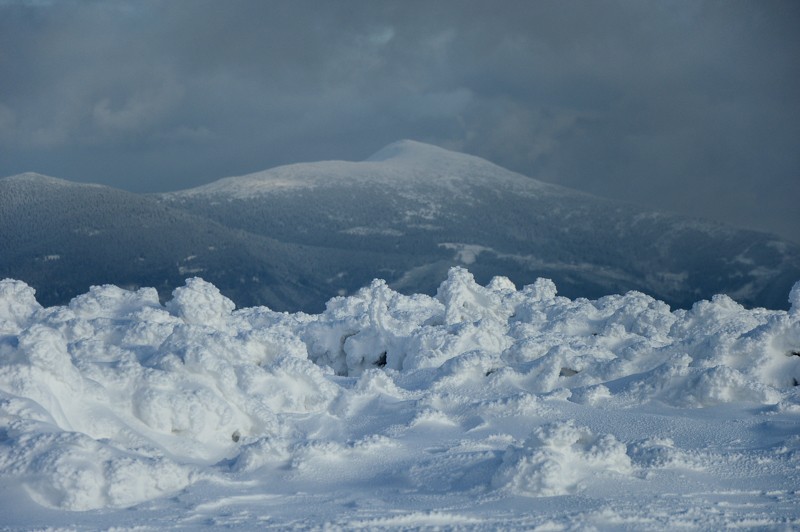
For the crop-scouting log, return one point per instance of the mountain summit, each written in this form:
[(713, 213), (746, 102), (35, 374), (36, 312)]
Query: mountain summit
[(402, 165)]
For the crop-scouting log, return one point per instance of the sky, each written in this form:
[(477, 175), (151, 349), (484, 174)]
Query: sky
[(689, 106)]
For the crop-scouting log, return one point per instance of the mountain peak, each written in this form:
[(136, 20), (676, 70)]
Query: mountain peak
[(405, 148), (404, 164), (413, 151)]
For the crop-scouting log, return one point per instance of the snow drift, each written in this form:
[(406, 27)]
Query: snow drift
[(116, 399)]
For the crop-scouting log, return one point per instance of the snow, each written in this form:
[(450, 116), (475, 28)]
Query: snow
[(404, 165), (483, 407)]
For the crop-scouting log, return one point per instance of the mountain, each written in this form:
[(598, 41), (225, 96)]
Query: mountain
[(294, 236), (62, 237), (412, 210)]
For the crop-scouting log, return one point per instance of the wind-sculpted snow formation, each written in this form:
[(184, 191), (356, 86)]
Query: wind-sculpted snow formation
[(484, 406)]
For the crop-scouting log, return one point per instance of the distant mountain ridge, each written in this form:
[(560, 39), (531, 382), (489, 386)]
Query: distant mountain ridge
[(299, 234), (62, 237), (424, 208)]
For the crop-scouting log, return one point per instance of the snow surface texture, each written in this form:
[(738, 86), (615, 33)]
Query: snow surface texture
[(483, 407)]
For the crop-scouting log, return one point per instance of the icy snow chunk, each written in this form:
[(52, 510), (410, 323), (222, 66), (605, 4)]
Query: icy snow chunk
[(375, 327), (501, 284), (467, 301), (201, 303), (17, 305), (109, 301), (559, 458), (542, 290), (794, 299)]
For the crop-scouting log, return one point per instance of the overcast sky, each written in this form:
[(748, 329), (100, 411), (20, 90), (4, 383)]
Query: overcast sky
[(690, 106)]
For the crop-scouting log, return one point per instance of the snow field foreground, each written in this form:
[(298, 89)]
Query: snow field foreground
[(483, 407)]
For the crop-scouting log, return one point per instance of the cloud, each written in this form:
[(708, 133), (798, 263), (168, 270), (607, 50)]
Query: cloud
[(8, 122), (143, 108), (665, 104)]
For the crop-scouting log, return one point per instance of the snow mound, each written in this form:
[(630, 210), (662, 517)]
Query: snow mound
[(17, 305), (116, 400), (557, 457)]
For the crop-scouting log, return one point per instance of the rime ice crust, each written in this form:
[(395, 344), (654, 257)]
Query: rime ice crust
[(115, 400), (17, 305), (200, 303), (794, 299)]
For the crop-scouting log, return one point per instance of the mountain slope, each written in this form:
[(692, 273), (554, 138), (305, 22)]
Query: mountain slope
[(61, 237), (418, 209)]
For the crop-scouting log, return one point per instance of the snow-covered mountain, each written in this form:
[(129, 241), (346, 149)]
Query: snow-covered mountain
[(293, 237), (410, 167), (62, 237), (411, 211)]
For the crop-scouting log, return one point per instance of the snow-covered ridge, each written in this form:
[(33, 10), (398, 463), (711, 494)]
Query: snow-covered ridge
[(39, 179), (400, 164), (484, 392)]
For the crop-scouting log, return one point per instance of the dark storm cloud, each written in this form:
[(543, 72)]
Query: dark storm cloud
[(688, 106)]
